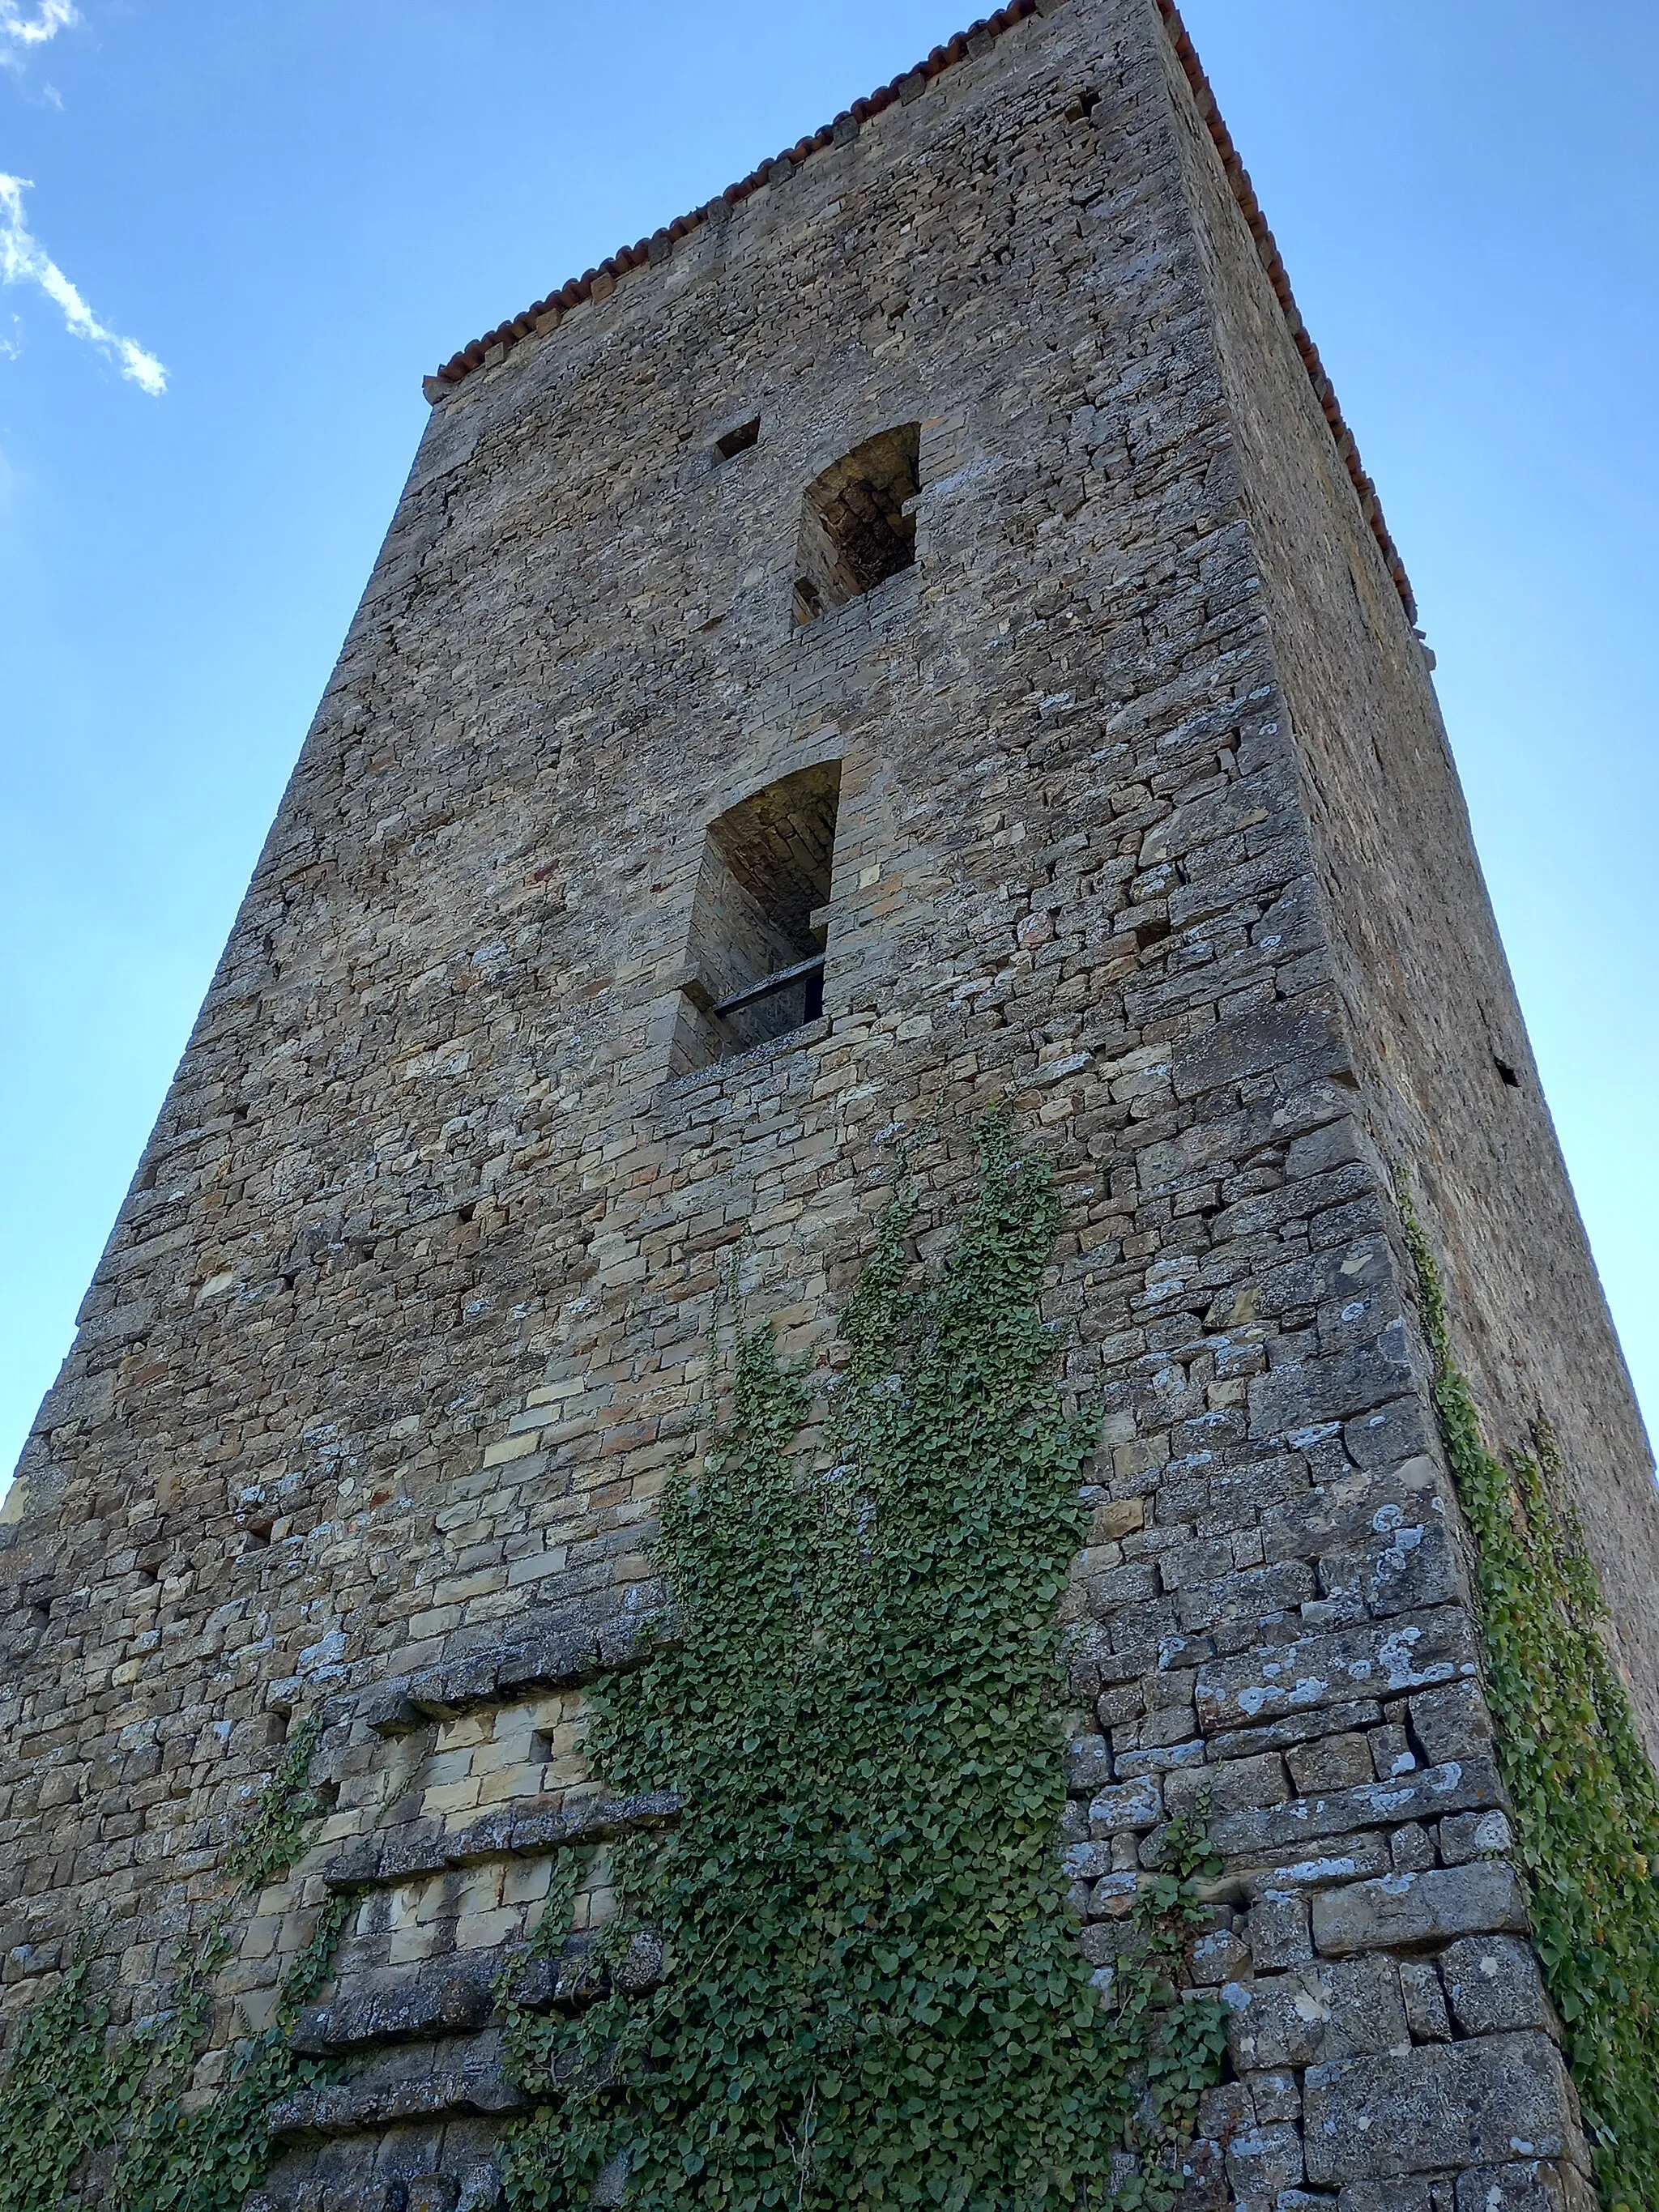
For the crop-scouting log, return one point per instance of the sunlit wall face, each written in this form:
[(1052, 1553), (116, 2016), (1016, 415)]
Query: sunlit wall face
[(270, 204)]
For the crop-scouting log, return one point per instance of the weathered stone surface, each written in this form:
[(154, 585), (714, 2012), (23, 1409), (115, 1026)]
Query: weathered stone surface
[(1389, 2196), (1375, 1661), (1437, 2108), (1128, 1807), (1425, 2001), (1492, 1983), (1263, 2161), (1434, 1907), (1467, 1836), (1316, 2015), (1451, 1723), (1279, 1932), (445, 2003), (1375, 1805), (1239, 1785), (1333, 1762), (1143, 819), (1531, 2185)]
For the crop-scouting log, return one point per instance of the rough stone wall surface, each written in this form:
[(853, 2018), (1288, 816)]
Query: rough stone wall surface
[(1452, 1089), (407, 1314)]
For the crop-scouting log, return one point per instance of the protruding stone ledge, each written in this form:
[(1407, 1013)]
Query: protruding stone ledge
[(460, 1998), (421, 2083), (531, 1830), (1382, 1658), (510, 1673)]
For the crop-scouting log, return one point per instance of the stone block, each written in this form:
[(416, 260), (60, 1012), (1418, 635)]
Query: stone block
[(1425, 2001), (1088, 1764), (1381, 1659), (1404, 1910), (1332, 1386), (1439, 2108), (1237, 1785), (1420, 1796), (1493, 1984), (1262, 2160), (1274, 2096), (1316, 2015), (1298, 1729), (1304, 1045), (1413, 1570), (1451, 1722), (1467, 1836), (1218, 1957), (1388, 2197), (1126, 1808), (1331, 1762), (1280, 1933), (1403, 1430), (1530, 2186), (1351, 1512)]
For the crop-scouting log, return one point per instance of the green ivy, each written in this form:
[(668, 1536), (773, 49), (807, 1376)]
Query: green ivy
[(64, 2094), (1587, 1805), (73, 2089), (871, 1990), (274, 1836)]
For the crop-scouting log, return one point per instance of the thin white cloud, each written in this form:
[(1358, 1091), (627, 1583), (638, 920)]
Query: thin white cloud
[(23, 260), (19, 30)]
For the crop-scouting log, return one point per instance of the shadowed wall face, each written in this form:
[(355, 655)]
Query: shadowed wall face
[(408, 1313)]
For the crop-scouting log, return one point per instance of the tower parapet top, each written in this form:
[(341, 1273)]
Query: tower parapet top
[(545, 314)]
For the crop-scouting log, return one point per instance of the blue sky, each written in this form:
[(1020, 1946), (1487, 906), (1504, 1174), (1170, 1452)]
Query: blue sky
[(234, 236)]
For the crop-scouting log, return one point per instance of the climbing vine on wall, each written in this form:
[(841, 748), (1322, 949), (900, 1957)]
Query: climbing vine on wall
[(1587, 1805), (75, 2087), (870, 1988)]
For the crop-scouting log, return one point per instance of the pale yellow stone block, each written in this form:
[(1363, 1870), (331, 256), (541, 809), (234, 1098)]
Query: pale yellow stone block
[(483, 1931), (450, 1797), (410, 1944), (509, 1782), (527, 1882), (511, 1448)]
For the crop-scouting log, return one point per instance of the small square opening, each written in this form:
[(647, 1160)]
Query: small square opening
[(738, 441), (758, 922), (857, 522)]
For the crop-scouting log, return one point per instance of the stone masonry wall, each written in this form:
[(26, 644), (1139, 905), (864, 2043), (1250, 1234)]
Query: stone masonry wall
[(408, 1311), (1450, 1086)]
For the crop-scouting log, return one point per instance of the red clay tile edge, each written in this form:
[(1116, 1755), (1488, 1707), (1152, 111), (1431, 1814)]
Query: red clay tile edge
[(1244, 192), (600, 282)]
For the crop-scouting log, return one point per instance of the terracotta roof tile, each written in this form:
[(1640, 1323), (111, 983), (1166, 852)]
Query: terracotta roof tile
[(1244, 192), (543, 314)]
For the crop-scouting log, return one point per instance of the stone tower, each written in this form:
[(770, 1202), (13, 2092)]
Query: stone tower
[(911, 636)]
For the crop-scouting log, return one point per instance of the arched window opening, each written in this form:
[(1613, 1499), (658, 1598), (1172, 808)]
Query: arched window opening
[(758, 923), (857, 522)]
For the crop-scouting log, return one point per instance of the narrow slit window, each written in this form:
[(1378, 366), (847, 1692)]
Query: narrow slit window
[(759, 921), (857, 522), (738, 441)]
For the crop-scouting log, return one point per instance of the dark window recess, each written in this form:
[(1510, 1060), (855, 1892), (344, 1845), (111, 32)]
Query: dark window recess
[(858, 523), (758, 923), (738, 441)]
